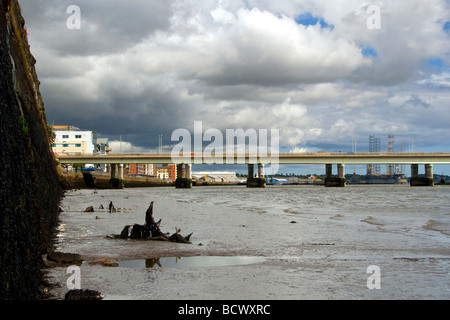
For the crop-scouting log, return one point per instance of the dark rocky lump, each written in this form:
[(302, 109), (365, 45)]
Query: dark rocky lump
[(80, 294)]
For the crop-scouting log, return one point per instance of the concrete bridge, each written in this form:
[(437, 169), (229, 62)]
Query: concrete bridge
[(184, 163)]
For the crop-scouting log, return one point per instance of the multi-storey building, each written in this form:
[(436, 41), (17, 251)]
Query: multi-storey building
[(172, 171), (168, 172), (73, 141), (163, 173), (142, 169)]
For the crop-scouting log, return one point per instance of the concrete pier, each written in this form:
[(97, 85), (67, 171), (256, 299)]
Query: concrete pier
[(180, 170), (414, 171), (113, 170), (117, 170), (116, 180), (341, 171), (188, 171), (429, 171), (256, 182), (328, 170), (251, 170), (120, 171), (260, 171), (338, 181), (417, 181), (184, 176)]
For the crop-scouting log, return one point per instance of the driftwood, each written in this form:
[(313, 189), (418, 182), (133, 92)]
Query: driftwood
[(112, 208), (151, 231)]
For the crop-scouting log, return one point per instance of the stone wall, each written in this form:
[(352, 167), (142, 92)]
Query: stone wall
[(30, 191)]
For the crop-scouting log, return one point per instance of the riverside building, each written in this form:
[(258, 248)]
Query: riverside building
[(71, 140)]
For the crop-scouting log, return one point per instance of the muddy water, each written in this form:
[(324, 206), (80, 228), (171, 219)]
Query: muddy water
[(281, 242)]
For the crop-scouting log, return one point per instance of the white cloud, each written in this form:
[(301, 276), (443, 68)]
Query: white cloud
[(147, 68), (223, 16), (286, 110), (441, 80), (301, 150), (126, 147)]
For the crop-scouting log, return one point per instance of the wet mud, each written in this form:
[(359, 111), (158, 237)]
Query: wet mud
[(325, 254)]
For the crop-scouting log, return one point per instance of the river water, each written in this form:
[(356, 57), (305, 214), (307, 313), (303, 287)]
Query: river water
[(280, 242)]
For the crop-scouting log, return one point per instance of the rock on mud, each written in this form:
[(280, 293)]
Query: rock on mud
[(80, 294), (107, 262), (64, 258)]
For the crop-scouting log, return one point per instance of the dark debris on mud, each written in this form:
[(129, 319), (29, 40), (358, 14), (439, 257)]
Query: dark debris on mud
[(151, 231)]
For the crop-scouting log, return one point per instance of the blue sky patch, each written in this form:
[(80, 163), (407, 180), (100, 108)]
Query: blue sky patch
[(447, 26), (307, 19), (369, 52), (435, 63)]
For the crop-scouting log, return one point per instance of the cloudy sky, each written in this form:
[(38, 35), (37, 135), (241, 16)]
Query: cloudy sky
[(322, 72)]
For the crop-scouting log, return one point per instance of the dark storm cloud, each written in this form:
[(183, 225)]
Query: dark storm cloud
[(139, 117), (137, 69), (107, 26)]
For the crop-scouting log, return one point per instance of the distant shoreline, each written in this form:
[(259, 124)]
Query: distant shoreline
[(75, 180)]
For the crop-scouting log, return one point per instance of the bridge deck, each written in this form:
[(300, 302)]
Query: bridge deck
[(282, 158)]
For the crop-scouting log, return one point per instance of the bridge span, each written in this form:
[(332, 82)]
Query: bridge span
[(184, 163)]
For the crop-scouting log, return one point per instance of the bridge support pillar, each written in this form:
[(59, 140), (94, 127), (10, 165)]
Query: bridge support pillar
[(184, 176), (251, 170), (417, 181), (180, 170), (116, 180), (414, 171), (113, 170), (256, 182), (341, 171), (188, 170), (328, 171), (429, 171), (188, 175), (260, 170), (331, 181), (120, 171)]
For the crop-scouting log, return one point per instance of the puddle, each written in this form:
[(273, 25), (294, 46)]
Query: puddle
[(185, 262)]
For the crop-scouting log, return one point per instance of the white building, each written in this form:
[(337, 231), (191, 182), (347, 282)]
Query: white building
[(223, 176), (73, 141), (163, 175), (151, 169)]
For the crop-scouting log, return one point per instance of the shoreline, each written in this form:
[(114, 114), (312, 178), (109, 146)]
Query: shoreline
[(75, 180)]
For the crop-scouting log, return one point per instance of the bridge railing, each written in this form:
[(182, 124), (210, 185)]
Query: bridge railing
[(285, 154)]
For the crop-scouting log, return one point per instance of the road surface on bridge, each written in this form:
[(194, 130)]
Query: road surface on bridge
[(282, 158)]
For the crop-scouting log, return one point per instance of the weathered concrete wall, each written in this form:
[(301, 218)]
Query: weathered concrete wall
[(30, 190)]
